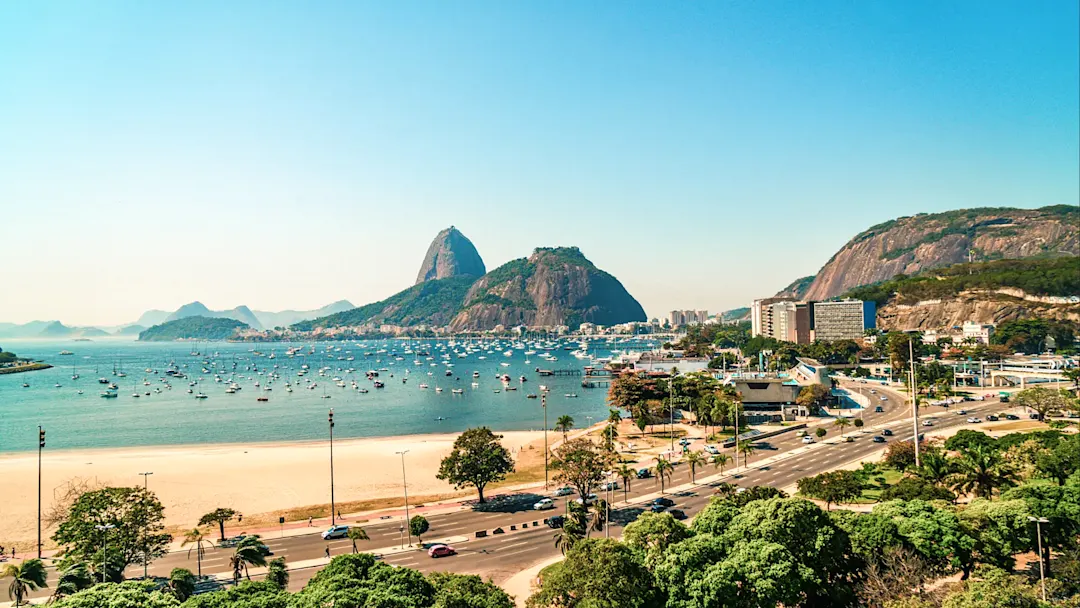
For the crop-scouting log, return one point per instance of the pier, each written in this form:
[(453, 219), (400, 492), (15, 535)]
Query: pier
[(558, 372)]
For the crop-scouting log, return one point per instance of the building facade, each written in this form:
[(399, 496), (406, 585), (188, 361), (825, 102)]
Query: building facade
[(679, 318), (843, 319), (803, 322)]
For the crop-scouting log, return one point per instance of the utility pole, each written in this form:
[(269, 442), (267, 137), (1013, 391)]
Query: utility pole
[(914, 398), (735, 407), (405, 485), (543, 405), (146, 545), (41, 446), (1042, 568), (671, 410), (333, 513)]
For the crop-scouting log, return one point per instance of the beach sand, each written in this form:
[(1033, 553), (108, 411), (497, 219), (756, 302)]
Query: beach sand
[(258, 480)]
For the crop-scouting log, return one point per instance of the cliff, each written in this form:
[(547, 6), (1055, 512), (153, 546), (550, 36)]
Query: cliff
[(909, 245), (450, 254), (553, 286), (979, 307)]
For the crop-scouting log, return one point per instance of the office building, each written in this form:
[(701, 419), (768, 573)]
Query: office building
[(842, 319), (803, 322)]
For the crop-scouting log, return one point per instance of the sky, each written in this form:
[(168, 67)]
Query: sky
[(290, 154)]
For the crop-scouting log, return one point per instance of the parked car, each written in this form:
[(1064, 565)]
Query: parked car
[(678, 514), (1033, 416), (684, 441), (807, 439), (879, 439), (991, 418), (644, 473), (564, 491), (555, 521), (335, 532), (663, 500), (886, 432), (441, 551), (1011, 417), (879, 409), (544, 504)]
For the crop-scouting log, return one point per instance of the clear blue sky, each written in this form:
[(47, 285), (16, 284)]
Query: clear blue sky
[(285, 155)]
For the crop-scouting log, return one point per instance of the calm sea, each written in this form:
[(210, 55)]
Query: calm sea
[(172, 416)]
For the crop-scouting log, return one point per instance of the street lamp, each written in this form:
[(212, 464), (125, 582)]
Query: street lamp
[(146, 542), (104, 529), (543, 405), (333, 512), (1039, 521), (41, 446), (405, 485)]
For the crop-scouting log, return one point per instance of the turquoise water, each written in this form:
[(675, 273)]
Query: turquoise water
[(173, 416)]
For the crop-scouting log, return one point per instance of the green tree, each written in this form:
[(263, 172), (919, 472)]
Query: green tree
[(652, 533), (934, 467), (994, 588), (598, 512), (1001, 529), (935, 534), (832, 487), (747, 449), (129, 594), (580, 464), (182, 583), (73, 578), (197, 541), (597, 573), (980, 470), (418, 525), (715, 517), (842, 423), (1043, 400), (858, 423), (608, 434), (813, 396), (900, 455), (1060, 462), (820, 432), (477, 459), (138, 528), (250, 551), (720, 461), (466, 591), (25, 577), (218, 516), (626, 473), (916, 488), (356, 533), (663, 470), (277, 574), (694, 460), (575, 527), (564, 424), (680, 567), (755, 574)]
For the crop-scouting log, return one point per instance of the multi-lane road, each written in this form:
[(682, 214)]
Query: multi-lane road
[(779, 462)]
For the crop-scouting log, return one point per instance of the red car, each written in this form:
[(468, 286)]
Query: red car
[(441, 551)]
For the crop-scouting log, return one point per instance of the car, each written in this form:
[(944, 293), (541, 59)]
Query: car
[(543, 504), (849, 439), (684, 441), (973, 420), (1011, 417), (886, 432), (807, 439), (588, 500), (611, 485), (335, 532), (1033, 416), (961, 412), (928, 423), (555, 521), (883, 398), (663, 500), (712, 449), (657, 508), (873, 391), (879, 439), (644, 473), (564, 491), (879, 409), (441, 551), (1004, 398), (991, 418), (678, 514)]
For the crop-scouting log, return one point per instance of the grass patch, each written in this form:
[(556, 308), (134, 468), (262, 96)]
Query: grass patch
[(878, 484)]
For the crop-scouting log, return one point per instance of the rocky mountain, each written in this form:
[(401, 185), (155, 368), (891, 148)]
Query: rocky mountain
[(796, 290), (56, 329), (129, 330), (912, 244), (152, 317), (24, 330), (553, 286), (198, 309), (451, 254)]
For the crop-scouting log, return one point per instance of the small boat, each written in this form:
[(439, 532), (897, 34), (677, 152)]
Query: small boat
[(109, 395), (66, 352), (423, 386), (25, 385), (262, 399), (361, 390), (378, 384), (530, 396), (457, 391), (571, 395), (200, 396), (496, 391)]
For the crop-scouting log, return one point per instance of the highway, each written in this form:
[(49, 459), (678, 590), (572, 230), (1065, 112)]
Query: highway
[(499, 556)]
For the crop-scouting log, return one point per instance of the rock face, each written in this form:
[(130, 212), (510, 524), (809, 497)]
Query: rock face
[(553, 286), (910, 244), (976, 307), (451, 254)]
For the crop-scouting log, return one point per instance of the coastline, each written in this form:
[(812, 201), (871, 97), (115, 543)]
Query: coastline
[(33, 367), (253, 478)]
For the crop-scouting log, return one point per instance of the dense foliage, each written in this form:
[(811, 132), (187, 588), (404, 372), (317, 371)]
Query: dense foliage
[(193, 328), (430, 302), (1030, 335)]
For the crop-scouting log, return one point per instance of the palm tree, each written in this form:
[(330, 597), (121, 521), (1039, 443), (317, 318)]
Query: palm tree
[(564, 424), (694, 460), (196, 539), (182, 583), (249, 552), (73, 579), (356, 533), (574, 528), (609, 434), (843, 423), (598, 518), (27, 577), (935, 467), (746, 448), (663, 469), (626, 472), (614, 416), (720, 461), (980, 471)]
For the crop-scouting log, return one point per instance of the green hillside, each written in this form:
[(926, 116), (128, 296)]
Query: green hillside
[(193, 328), (435, 301)]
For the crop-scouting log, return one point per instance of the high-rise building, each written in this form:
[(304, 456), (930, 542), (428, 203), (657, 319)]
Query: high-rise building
[(688, 317), (842, 319)]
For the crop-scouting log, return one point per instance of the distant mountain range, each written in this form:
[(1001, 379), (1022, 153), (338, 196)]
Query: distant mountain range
[(49, 329)]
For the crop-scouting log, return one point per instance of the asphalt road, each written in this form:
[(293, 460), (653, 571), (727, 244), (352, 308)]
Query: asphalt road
[(500, 556)]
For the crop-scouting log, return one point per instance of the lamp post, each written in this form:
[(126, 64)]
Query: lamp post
[(914, 399), (146, 547), (1039, 521), (405, 485), (333, 512), (41, 446), (104, 529), (543, 405), (671, 410)]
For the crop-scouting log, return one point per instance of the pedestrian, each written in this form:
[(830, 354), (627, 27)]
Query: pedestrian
[(309, 521), (339, 514), (327, 551)]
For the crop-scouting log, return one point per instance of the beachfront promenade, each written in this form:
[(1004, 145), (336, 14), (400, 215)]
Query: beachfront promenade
[(779, 462)]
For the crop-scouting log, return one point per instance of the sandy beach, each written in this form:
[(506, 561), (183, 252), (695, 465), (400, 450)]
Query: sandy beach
[(251, 478)]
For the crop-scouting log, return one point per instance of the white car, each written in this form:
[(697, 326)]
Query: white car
[(336, 532), (543, 504), (564, 491), (974, 420), (807, 439), (928, 423), (712, 449)]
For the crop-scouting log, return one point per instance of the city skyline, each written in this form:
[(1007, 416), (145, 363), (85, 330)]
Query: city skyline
[(291, 157)]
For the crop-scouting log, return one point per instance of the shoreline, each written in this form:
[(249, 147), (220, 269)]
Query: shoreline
[(33, 367)]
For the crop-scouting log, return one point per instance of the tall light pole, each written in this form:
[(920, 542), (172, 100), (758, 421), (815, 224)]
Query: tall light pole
[(543, 405), (914, 399), (104, 529), (1039, 521), (41, 446), (671, 409), (333, 512), (146, 545), (405, 485)]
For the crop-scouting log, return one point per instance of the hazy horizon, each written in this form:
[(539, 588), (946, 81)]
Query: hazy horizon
[(289, 156)]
